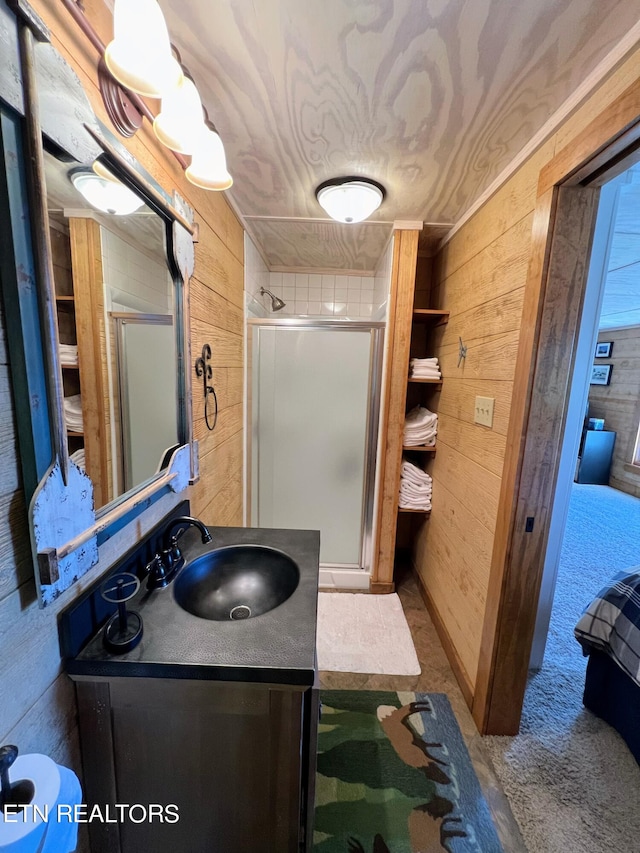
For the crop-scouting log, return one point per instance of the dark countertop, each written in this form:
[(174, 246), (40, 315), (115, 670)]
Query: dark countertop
[(276, 648)]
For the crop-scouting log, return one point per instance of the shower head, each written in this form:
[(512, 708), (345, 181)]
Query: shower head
[(276, 302)]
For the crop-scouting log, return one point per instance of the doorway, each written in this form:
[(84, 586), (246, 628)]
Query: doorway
[(566, 210), (586, 454)]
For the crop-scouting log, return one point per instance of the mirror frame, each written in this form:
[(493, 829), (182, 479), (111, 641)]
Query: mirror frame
[(66, 531)]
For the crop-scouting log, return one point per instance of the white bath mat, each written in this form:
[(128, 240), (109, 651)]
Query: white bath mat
[(364, 633)]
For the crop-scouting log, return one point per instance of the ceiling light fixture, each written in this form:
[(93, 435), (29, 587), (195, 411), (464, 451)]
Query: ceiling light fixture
[(208, 167), (107, 195), (350, 199)]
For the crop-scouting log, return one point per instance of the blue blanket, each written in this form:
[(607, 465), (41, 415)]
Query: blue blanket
[(611, 623)]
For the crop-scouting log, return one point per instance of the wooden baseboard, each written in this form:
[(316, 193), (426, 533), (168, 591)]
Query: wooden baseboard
[(447, 644), (381, 588)]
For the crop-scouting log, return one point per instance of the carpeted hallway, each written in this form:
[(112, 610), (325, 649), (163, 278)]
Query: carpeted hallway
[(571, 782)]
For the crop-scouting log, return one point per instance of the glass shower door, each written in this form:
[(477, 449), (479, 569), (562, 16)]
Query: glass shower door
[(312, 402)]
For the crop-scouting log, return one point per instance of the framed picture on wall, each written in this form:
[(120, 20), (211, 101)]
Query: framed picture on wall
[(601, 374), (604, 349)]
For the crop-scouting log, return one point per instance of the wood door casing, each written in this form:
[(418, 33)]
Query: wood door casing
[(562, 228)]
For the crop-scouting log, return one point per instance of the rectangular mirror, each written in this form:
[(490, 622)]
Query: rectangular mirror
[(97, 278), (115, 304)]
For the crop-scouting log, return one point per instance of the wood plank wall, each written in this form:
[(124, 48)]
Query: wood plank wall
[(479, 276), (619, 404), (37, 706)]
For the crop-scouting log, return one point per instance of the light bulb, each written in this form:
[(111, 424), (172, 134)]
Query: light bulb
[(180, 122), (208, 167), (139, 56)]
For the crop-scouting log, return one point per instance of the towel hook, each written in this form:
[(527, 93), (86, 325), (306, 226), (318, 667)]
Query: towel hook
[(462, 352), (204, 369)]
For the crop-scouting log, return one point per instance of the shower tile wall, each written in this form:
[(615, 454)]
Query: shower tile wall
[(351, 297), (382, 284), (346, 296), (256, 275)]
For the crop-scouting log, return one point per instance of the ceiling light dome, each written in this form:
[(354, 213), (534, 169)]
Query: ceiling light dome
[(350, 199), (107, 195)]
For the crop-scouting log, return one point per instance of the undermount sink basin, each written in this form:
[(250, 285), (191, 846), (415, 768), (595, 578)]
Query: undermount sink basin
[(236, 582)]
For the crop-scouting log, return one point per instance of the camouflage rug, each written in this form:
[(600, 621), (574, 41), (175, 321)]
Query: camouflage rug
[(394, 776)]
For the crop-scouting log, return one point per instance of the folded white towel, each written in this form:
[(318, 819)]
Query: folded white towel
[(419, 361), (415, 487), (427, 440), (73, 403), (419, 416), (79, 458), (420, 427), (409, 491), (412, 503), (69, 354), (73, 412), (415, 492), (420, 442), (424, 368), (427, 374), (409, 471)]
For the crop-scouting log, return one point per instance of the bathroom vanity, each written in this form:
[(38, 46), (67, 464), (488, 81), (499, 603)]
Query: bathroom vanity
[(216, 717)]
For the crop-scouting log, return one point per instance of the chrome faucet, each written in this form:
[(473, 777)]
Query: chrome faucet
[(164, 566)]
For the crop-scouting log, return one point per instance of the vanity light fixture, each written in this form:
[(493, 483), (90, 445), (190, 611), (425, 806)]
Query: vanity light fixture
[(142, 61), (350, 199), (180, 121), (140, 55), (208, 168), (105, 194)]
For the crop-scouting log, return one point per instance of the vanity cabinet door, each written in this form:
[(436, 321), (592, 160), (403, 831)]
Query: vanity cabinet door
[(227, 755)]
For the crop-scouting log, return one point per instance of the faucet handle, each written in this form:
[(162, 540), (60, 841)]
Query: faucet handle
[(172, 556), (156, 572)]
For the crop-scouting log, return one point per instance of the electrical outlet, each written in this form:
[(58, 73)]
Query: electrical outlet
[(483, 412)]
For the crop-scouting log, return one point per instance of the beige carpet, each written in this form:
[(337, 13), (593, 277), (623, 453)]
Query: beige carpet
[(570, 779), (364, 633)]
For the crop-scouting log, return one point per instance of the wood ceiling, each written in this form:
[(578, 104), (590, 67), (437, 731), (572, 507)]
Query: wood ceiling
[(433, 98)]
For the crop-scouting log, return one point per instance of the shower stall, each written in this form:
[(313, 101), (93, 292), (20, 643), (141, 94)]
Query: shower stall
[(315, 402)]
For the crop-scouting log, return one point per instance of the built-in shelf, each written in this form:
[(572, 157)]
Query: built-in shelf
[(421, 448), (425, 381), (430, 315), (420, 511), (72, 433), (65, 298), (69, 366)]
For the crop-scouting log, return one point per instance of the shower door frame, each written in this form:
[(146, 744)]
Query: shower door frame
[(374, 381)]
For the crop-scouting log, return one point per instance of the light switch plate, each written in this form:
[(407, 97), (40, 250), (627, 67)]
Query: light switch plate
[(483, 412)]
